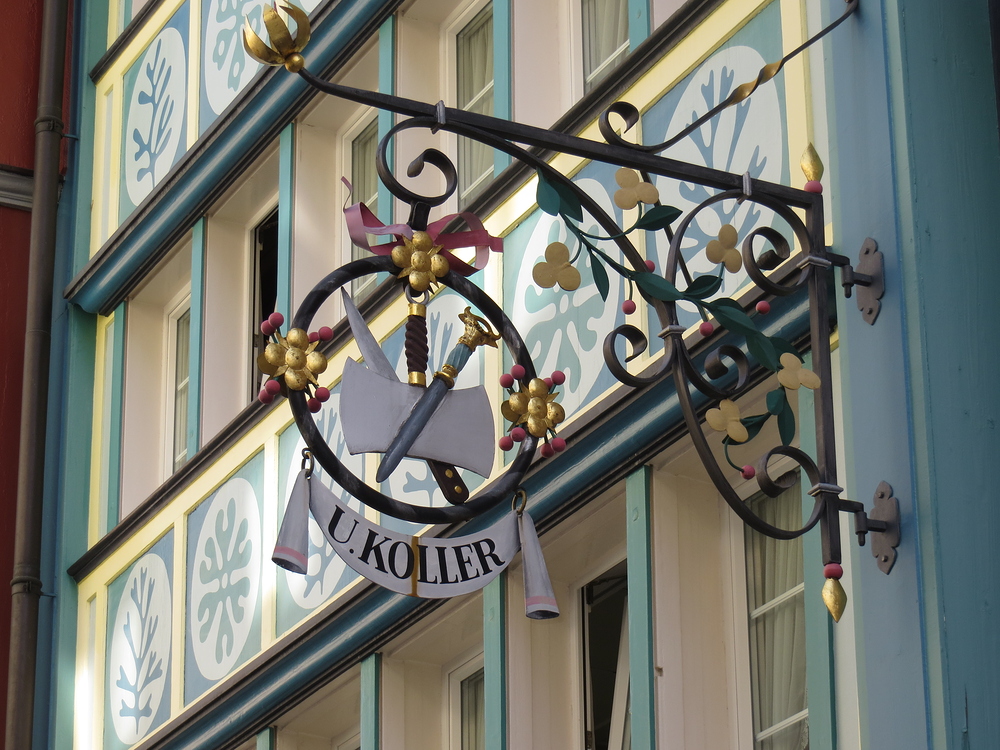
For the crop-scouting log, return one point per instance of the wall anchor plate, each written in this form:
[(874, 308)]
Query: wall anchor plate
[(870, 266), (884, 542)]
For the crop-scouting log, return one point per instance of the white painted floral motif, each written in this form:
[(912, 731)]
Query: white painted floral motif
[(225, 579), (228, 67), (566, 330), (743, 138), (140, 649), (155, 123), (326, 572)]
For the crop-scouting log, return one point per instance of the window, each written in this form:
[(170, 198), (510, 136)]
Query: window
[(605, 38), (474, 66), (776, 602), (473, 718), (264, 291), (605, 661), (179, 323), (364, 180)]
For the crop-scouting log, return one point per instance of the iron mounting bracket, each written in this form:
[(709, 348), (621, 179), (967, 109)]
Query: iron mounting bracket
[(883, 525), (869, 278)]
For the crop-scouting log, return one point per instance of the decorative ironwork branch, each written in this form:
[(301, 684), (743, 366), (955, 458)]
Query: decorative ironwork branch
[(705, 384)]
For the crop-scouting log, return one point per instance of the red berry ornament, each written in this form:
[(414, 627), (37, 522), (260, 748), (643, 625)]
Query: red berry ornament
[(814, 186), (273, 387), (517, 371), (518, 434), (558, 444), (548, 383), (763, 307), (706, 329), (266, 328), (323, 394), (833, 570), (506, 380), (314, 405), (628, 307), (313, 337), (547, 451), (748, 472), (506, 443), (326, 333), (558, 377), (276, 319), (650, 265), (264, 397)]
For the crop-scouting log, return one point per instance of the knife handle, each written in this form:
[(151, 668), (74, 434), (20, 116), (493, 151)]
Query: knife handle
[(416, 346), (452, 485)]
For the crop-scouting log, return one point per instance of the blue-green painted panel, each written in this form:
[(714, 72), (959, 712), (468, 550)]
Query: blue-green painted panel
[(155, 96), (387, 85), (638, 22), (638, 529), (298, 595), (225, 552), (286, 204), (138, 647), (371, 700), (111, 425), (495, 661), (196, 342), (503, 73)]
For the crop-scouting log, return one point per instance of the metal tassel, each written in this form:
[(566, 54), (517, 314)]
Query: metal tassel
[(835, 598)]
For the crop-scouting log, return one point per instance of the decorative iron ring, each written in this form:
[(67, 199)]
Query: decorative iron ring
[(499, 491)]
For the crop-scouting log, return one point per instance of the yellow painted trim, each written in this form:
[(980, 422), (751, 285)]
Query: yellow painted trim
[(798, 112), (114, 16), (96, 458), (138, 45), (179, 618), (269, 530), (194, 71)]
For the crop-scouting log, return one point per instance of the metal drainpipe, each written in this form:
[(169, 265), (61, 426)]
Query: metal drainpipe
[(26, 586)]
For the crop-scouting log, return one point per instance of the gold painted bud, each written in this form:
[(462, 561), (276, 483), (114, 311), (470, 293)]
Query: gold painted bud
[(298, 338), (518, 403), (537, 388), (538, 407), (420, 280), (439, 265), (420, 261), (295, 358), (316, 362), (294, 63), (296, 380), (537, 426), (401, 256), (275, 354), (555, 413), (421, 241), (508, 412)]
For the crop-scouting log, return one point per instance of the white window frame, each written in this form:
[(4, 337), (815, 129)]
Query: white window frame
[(357, 125), (179, 305), (453, 25), (464, 668)]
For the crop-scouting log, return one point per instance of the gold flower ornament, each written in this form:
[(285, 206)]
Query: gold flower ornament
[(421, 261), (727, 419), (723, 250), (534, 407), (556, 269), (792, 374), (633, 190), (294, 357), (283, 50)]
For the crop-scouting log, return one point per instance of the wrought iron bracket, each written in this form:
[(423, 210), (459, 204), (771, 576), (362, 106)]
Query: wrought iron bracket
[(883, 524), (869, 277)]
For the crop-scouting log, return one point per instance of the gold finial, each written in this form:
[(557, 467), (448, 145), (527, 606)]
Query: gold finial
[(283, 50), (835, 598), (477, 331), (812, 165)]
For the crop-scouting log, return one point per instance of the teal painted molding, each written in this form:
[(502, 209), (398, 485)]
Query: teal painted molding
[(268, 739), (387, 85), (503, 73), (71, 394), (371, 699), (946, 158), (342, 639), (210, 166), (196, 342), (286, 207), (638, 530), (893, 654), (113, 461), (495, 661), (638, 22), (820, 683)]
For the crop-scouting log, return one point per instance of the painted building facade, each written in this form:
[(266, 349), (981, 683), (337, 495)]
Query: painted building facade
[(206, 193)]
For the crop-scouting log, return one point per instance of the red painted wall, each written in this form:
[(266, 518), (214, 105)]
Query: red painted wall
[(18, 102)]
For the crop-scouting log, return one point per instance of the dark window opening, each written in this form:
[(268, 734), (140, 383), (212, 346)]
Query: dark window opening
[(606, 670), (264, 291)]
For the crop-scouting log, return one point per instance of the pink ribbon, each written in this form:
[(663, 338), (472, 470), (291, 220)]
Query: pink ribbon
[(362, 222)]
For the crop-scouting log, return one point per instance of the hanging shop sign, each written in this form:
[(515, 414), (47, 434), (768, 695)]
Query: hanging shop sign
[(428, 419)]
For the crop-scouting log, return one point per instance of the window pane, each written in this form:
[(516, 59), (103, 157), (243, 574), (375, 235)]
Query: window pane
[(474, 62), (264, 294), (473, 712), (364, 180), (606, 660), (605, 38), (775, 595), (182, 342)]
